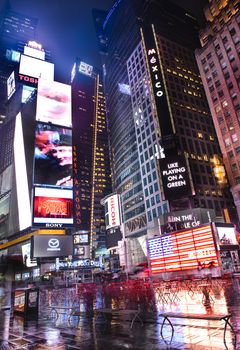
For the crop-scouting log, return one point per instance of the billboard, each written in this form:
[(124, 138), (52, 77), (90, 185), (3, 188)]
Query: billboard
[(35, 68), (54, 103), (183, 250), (175, 177), (51, 246), (153, 60), (81, 238), (52, 207), (34, 52), (81, 251), (4, 214), (27, 92), (53, 156), (112, 213), (185, 219), (11, 85), (226, 234), (26, 254), (85, 68), (113, 236)]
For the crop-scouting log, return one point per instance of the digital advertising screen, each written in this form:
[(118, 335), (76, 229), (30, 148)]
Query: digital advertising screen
[(183, 250), (11, 85), (51, 246), (226, 234), (81, 251), (26, 252), (36, 68), (54, 103), (53, 206), (81, 238), (30, 51), (53, 156), (175, 177)]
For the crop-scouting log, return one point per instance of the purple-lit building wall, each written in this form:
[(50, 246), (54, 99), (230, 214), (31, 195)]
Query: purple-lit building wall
[(219, 63)]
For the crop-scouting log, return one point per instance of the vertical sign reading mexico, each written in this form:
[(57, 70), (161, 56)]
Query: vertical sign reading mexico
[(157, 80)]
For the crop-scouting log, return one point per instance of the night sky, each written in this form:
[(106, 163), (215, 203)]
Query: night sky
[(66, 28)]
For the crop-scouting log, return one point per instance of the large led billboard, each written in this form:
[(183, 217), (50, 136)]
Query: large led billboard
[(226, 234), (35, 68), (54, 103), (51, 246), (52, 207), (183, 250), (175, 177), (53, 156)]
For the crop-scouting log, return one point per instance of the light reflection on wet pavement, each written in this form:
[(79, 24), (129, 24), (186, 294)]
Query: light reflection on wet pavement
[(87, 333)]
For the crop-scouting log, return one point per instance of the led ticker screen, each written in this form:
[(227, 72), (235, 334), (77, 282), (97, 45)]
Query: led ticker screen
[(53, 156), (183, 250), (54, 103), (52, 206)]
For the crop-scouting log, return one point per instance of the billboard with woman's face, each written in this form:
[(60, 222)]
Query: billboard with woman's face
[(54, 103)]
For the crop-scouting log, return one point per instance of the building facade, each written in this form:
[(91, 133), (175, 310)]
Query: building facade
[(157, 108), (218, 62), (90, 146)]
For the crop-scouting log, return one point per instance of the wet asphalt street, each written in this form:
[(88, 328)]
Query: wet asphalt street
[(87, 331)]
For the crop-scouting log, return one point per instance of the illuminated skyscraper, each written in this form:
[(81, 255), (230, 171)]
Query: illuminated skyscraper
[(219, 63), (90, 153), (156, 108)]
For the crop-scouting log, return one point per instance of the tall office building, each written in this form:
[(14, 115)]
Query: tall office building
[(219, 62), (158, 120), (16, 27), (90, 153)]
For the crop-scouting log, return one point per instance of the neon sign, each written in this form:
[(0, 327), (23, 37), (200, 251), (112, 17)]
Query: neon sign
[(183, 250)]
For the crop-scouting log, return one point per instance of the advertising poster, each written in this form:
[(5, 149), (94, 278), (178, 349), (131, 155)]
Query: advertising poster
[(19, 301), (54, 103), (53, 156), (33, 299), (52, 206)]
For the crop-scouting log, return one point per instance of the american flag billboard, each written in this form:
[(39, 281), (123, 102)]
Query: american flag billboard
[(183, 250)]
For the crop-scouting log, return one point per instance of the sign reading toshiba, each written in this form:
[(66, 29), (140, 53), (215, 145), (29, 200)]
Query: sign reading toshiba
[(112, 211)]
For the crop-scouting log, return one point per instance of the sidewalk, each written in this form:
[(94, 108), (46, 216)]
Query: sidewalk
[(86, 334)]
